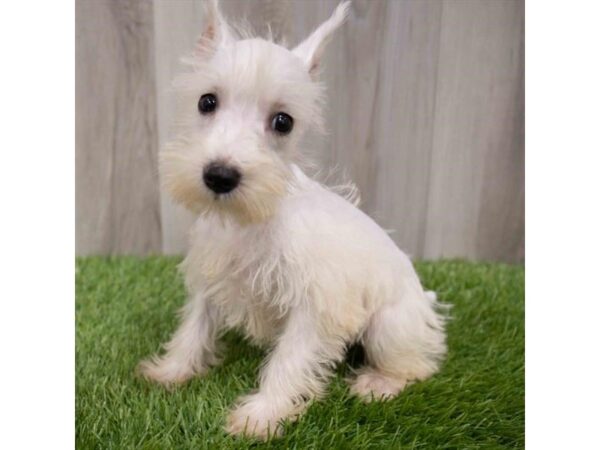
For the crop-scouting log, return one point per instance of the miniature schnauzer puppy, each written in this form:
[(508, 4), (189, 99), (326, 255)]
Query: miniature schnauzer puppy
[(286, 260)]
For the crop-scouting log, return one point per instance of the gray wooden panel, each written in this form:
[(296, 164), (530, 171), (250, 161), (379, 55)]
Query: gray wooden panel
[(263, 16), (477, 125), (501, 226), (402, 130), (117, 202)]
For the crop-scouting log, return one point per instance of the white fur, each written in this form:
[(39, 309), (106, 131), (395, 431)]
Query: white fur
[(284, 259)]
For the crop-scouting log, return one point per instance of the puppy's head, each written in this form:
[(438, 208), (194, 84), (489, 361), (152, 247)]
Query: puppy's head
[(241, 111)]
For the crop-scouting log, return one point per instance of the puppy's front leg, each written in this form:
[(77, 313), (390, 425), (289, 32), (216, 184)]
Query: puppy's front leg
[(297, 370), (191, 350)]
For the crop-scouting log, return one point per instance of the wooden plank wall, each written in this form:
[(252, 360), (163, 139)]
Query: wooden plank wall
[(117, 206), (425, 114)]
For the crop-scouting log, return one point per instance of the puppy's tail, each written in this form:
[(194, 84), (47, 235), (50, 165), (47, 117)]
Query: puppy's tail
[(442, 309), (431, 296)]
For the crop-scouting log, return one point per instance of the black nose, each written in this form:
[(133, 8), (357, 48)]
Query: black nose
[(220, 178)]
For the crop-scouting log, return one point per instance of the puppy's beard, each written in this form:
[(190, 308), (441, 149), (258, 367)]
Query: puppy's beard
[(247, 204), (256, 200), (264, 182)]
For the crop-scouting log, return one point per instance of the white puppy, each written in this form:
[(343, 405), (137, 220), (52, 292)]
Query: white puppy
[(274, 254)]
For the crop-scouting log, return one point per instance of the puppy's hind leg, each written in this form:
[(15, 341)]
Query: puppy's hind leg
[(404, 342), (191, 350)]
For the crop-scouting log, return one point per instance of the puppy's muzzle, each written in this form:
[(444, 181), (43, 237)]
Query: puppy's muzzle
[(220, 178)]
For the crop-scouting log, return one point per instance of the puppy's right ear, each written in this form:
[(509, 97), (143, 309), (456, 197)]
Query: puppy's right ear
[(216, 31), (311, 49)]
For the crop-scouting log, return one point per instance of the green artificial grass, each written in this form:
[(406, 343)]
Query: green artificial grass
[(125, 308)]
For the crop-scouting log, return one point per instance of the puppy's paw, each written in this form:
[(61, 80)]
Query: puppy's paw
[(371, 385), (165, 371), (255, 416)]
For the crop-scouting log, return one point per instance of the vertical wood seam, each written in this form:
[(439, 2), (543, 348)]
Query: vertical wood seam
[(425, 228)]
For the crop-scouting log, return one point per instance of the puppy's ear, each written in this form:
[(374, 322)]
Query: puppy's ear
[(216, 31), (311, 49)]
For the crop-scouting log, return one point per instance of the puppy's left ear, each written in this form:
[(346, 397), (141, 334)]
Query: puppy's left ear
[(311, 49), (216, 31)]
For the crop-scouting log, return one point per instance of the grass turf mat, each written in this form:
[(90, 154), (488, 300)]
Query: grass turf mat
[(125, 308)]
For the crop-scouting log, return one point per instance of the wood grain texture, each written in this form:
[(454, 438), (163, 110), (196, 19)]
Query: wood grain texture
[(117, 208), (425, 114), (476, 125), (501, 226), (403, 120)]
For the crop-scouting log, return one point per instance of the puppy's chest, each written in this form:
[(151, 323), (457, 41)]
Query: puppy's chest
[(254, 305), (244, 276)]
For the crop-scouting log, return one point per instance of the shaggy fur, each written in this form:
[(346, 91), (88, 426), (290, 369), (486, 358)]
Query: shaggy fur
[(293, 265)]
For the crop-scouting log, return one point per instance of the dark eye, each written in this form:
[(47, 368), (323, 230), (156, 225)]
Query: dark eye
[(282, 123), (207, 103)]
